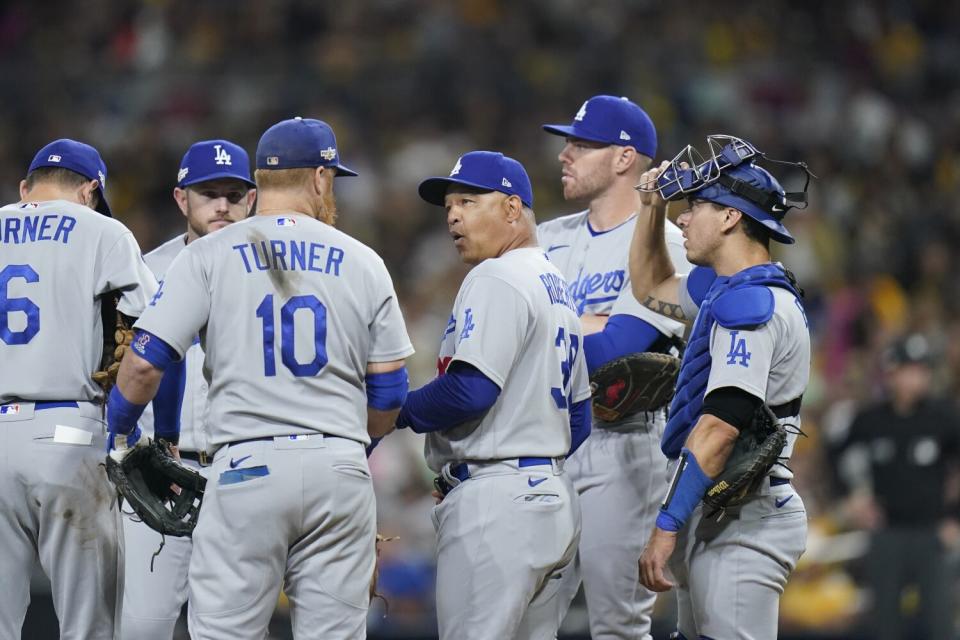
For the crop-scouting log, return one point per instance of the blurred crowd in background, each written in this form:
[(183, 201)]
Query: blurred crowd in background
[(867, 93)]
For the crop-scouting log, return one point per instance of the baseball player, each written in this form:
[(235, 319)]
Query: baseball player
[(510, 401), (304, 355), (61, 251), (749, 346), (618, 472), (213, 190)]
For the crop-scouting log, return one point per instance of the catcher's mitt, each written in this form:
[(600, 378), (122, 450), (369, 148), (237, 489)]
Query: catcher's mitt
[(756, 450), (146, 478), (117, 336), (632, 383)]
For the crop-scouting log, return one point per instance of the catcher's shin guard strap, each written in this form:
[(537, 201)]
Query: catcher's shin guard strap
[(686, 489), (122, 415)]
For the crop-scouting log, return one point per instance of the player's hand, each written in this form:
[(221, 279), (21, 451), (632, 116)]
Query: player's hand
[(437, 496), (119, 445), (653, 561), (650, 197)]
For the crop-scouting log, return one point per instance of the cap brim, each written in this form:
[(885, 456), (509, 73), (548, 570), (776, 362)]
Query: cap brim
[(434, 190), (777, 231), (217, 176), (573, 132), (103, 206), (343, 172)]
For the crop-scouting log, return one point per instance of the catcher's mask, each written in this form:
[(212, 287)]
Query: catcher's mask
[(731, 177)]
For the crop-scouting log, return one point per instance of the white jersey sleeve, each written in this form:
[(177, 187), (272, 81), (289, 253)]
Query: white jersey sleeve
[(388, 334), (182, 304)]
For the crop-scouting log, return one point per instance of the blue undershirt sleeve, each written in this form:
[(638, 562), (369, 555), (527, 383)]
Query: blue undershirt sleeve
[(580, 419), (169, 401), (622, 334), (463, 393)]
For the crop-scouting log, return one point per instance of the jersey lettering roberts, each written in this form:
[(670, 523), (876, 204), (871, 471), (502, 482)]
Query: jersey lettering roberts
[(514, 321)]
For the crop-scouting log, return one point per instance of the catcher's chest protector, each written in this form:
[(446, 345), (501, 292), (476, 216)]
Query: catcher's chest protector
[(695, 367)]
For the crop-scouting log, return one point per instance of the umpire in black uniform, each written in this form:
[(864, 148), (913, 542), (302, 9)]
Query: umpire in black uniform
[(911, 441)]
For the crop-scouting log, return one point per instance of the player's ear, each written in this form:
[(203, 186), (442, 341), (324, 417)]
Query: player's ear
[(85, 194), (180, 197), (730, 219), (625, 158), (251, 198), (24, 190), (319, 179), (513, 208)]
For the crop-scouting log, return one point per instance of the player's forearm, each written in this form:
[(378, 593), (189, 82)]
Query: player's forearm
[(591, 323), (138, 379), (650, 263), (711, 441), (380, 423)]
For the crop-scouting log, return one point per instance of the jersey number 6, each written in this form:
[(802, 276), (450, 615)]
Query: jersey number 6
[(23, 305), (288, 334)]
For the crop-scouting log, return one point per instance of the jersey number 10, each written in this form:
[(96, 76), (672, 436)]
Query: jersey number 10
[(288, 334)]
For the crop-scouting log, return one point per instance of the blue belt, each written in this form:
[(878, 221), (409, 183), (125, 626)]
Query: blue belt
[(776, 482), (461, 471), (286, 435), (55, 404)]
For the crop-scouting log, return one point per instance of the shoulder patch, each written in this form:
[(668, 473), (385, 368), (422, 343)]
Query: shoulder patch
[(744, 308)]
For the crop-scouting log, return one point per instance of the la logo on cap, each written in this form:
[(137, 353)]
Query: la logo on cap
[(456, 168), (582, 113), (221, 156), (54, 158)]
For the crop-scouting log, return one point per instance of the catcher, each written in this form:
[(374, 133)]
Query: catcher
[(731, 527)]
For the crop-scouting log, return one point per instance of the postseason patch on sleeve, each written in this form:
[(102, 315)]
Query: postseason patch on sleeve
[(286, 222)]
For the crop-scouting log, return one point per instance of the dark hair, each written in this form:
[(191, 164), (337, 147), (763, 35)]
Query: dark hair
[(57, 175), (62, 177), (755, 231)]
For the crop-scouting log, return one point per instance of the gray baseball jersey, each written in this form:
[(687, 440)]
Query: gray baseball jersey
[(290, 311), (773, 363), (193, 435), (514, 321), (618, 471), (58, 257)]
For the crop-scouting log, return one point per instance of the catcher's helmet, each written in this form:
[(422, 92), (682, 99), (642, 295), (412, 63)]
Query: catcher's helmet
[(731, 177)]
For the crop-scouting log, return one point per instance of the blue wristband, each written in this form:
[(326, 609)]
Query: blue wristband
[(386, 391), (687, 489), (122, 415)]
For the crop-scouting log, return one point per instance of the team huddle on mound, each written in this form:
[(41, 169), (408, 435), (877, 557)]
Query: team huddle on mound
[(616, 401)]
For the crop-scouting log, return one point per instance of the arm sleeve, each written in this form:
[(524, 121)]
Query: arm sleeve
[(580, 419), (125, 271), (734, 406), (181, 306), (492, 323), (622, 334), (462, 394), (388, 332), (168, 402)]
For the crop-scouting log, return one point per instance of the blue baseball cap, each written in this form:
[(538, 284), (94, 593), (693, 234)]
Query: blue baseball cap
[(754, 191), (77, 157), (487, 170), (212, 159), (300, 143), (611, 120)]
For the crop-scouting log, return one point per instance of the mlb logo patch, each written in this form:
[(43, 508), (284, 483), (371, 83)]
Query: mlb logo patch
[(140, 345), (273, 160), (9, 409), (54, 158), (286, 222)]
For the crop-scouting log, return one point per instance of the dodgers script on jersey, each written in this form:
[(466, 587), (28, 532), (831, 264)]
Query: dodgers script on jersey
[(771, 362), (514, 321), (288, 309), (51, 337), (193, 436)]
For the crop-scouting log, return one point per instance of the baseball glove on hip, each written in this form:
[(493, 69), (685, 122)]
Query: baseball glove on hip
[(756, 450), (117, 336), (165, 494), (633, 383)]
